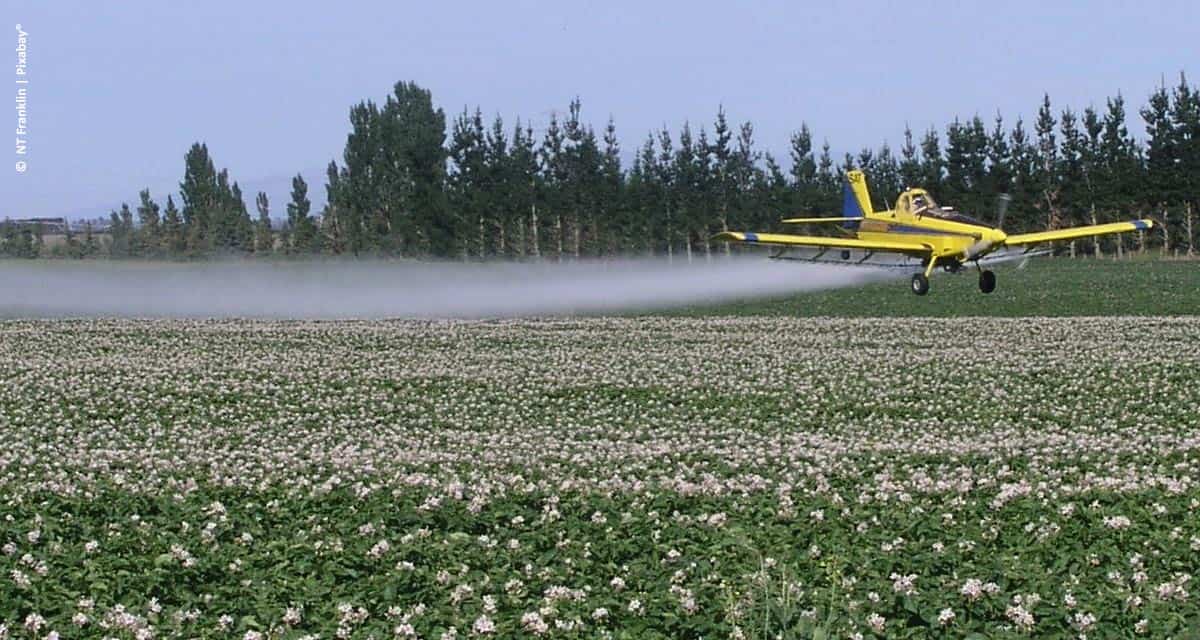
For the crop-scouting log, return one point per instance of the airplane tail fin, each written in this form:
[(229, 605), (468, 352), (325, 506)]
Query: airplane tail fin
[(856, 202)]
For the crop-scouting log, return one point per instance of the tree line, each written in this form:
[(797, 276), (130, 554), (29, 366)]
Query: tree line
[(410, 184)]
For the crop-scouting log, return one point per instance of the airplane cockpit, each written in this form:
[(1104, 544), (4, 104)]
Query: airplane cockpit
[(919, 203)]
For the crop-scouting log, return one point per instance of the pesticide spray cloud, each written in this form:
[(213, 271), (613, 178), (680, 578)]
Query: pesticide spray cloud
[(397, 289)]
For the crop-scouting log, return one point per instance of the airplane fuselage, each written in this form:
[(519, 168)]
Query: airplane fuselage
[(946, 238)]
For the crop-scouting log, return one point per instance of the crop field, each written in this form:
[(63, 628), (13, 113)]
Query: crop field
[(718, 477)]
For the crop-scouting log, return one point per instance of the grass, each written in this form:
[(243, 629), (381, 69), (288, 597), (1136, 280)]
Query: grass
[(1045, 287)]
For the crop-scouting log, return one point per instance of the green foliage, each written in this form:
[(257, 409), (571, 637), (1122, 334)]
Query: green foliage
[(303, 235), (17, 240), (407, 187), (641, 478), (264, 237)]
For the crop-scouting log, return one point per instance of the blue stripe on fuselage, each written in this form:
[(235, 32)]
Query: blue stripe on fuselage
[(899, 228), (751, 237)]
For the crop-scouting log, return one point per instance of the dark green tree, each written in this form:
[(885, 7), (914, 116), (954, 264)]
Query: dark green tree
[(1048, 201), (910, 161), (804, 183), (148, 237), (173, 232), (200, 198), (932, 164), (264, 238)]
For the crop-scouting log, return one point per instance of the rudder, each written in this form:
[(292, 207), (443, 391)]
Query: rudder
[(856, 202)]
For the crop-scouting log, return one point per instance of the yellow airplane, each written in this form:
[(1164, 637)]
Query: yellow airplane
[(923, 233)]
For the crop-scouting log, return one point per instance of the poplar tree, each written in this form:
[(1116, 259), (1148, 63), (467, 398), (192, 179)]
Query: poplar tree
[(804, 173), (999, 160), (554, 175), (612, 207), (1185, 127), (264, 239), (1022, 212), (829, 191), (467, 183), (174, 239), (149, 235), (1047, 166), (304, 235), (523, 172), (1071, 171), (200, 197), (931, 162), (910, 162)]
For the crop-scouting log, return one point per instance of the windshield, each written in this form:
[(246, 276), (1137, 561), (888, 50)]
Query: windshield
[(924, 205)]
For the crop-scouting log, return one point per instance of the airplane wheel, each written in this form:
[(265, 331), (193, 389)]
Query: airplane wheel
[(987, 281), (920, 284)]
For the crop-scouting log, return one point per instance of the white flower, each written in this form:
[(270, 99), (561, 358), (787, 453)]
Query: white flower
[(483, 625), (904, 584), (876, 622), (533, 623), (1020, 617), (945, 616), (1117, 522), (34, 622), (1083, 621), (292, 616)]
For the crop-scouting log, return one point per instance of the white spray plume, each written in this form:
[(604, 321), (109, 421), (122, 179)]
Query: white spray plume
[(320, 290)]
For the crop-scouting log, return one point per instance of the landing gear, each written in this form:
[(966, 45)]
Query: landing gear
[(920, 284), (987, 281)]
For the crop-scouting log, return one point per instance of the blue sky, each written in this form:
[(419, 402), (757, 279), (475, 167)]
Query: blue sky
[(118, 91)]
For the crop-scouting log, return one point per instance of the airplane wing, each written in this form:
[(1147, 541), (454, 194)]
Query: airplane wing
[(1077, 232), (788, 240)]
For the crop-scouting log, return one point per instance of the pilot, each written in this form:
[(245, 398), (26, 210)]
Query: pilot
[(919, 204)]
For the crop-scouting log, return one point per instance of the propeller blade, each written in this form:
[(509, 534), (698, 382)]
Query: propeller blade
[(1002, 201)]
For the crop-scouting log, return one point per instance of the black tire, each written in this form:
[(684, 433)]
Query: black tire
[(920, 284), (987, 281)]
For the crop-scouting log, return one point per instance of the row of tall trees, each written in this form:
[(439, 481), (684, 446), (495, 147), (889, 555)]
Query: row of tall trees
[(213, 220), (407, 186)]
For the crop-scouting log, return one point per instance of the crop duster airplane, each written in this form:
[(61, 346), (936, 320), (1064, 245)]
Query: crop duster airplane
[(922, 233)]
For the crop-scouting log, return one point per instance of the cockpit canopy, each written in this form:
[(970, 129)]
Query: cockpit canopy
[(918, 202)]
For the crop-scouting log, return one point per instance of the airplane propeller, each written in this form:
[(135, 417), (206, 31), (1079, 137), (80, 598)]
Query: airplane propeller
[(1002, 201), (983, 246)]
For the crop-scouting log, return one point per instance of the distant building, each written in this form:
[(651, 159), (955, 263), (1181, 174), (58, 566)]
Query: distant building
[(41, 225)]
